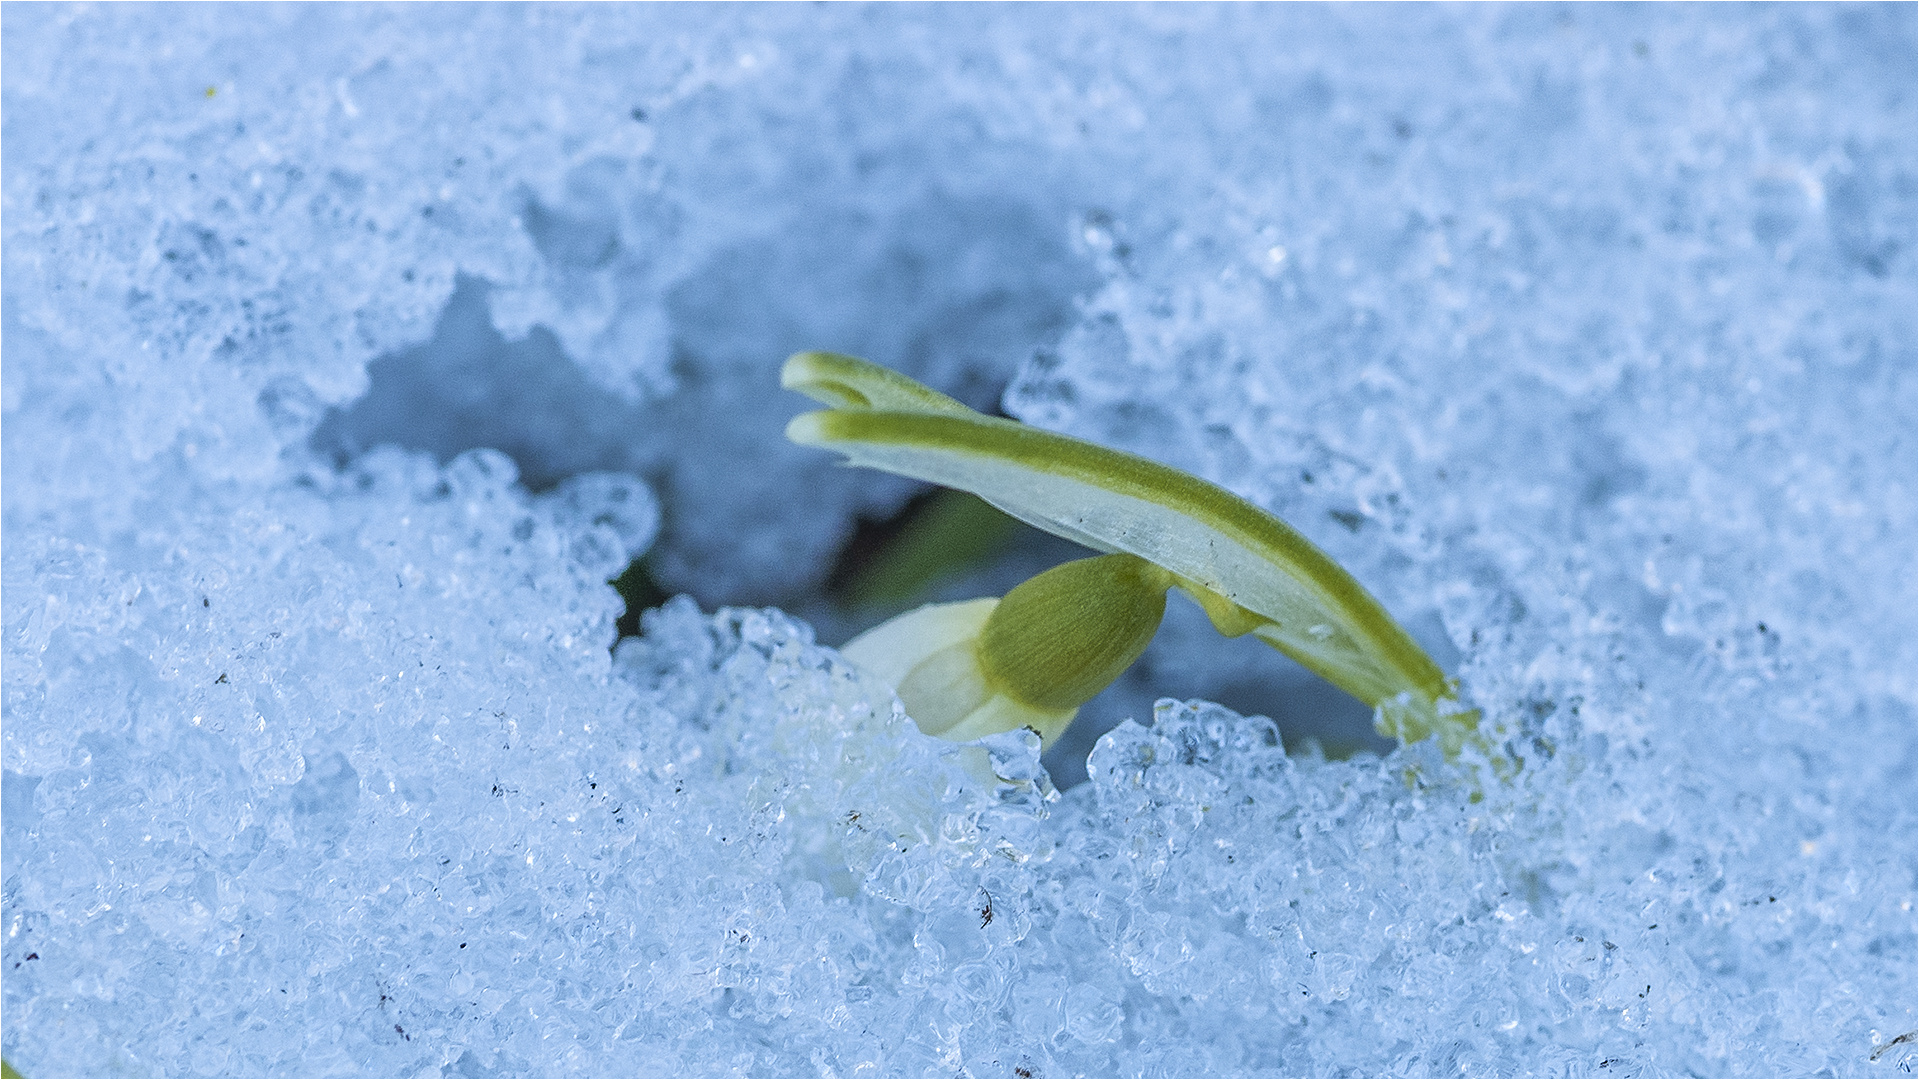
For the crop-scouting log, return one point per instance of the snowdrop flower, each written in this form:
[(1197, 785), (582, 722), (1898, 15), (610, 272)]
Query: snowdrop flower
[(1031, 659)]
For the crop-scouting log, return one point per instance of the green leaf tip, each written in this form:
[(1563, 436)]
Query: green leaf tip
[(1250, 571), (847, 382)]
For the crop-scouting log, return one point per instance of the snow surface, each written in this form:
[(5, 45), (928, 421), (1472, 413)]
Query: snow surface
[(349, 350)]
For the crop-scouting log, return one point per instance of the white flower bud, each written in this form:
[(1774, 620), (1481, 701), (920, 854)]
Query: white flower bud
[(930, 656), (984, 666)]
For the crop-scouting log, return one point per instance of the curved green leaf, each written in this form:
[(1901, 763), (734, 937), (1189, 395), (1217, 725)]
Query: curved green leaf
[(1250, 570)]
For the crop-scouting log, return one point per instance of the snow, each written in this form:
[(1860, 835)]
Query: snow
[(350, 350)]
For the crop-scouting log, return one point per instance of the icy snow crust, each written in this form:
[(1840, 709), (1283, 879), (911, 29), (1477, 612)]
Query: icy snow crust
[(1583, 336)]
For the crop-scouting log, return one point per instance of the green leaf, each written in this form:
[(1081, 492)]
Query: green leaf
[(1251, 571), (946, 533)]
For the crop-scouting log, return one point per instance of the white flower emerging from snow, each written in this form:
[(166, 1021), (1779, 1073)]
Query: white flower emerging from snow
[(1030, 660)]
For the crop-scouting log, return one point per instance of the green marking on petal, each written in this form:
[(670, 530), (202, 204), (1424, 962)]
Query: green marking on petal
[(1061, 637)]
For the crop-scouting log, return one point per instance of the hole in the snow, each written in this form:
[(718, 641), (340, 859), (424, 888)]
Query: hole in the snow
[(956, 292), (469, 386)]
